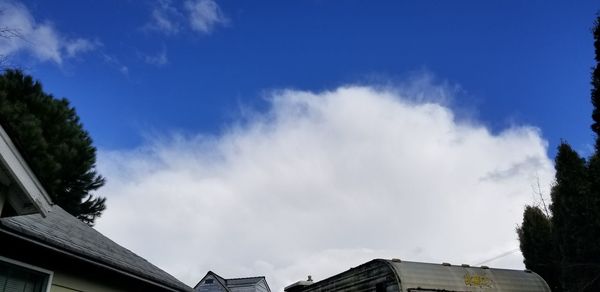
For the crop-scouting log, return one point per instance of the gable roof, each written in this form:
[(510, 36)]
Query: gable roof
[(244, 281), (230, 283), (66, 233), (222, 281)]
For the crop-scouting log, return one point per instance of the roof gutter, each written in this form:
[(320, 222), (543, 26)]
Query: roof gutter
[(73, 255)]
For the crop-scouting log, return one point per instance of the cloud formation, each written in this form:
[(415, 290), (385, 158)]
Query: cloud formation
[(159, 59), (41, 40), (201, 16), (165, 18), (204, 15), (322, 182), (114, 62)]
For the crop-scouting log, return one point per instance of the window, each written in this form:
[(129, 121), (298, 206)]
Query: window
[(208, 281), (20, 277)]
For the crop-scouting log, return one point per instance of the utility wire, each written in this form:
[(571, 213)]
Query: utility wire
[(499, 256)]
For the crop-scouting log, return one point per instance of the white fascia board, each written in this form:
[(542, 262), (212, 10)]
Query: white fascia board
[(23, 177)]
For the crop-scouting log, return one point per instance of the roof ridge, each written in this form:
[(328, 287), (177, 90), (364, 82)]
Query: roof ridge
[(243, 278)]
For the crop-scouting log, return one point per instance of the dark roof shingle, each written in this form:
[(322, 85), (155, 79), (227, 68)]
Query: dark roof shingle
[(244, 281), (63, 231)]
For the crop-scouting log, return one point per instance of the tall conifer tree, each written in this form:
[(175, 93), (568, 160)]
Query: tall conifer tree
[(575, 220), (570, 218), (596, 84), (537, 245), (50, 136), (589, 246)]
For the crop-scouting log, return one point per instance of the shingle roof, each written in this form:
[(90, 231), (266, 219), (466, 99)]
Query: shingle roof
[(63, 231), (233, 282), (244, 281)]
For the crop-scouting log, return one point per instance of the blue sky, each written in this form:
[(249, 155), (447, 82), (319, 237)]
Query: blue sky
[(243, 126), (515, 61)]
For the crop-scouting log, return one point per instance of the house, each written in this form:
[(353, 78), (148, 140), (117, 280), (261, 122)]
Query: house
[(215, 283), (402, 276), (44, 248)]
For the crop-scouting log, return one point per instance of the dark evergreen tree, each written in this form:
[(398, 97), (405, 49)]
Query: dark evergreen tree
[(537, 246), (570, 218), (575, 220), (589, 240), (588, 250), (50, 136), (596, 85)]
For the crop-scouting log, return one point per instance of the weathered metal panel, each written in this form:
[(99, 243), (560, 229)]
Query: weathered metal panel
[(402, 276), (370, 277), (413, 275)]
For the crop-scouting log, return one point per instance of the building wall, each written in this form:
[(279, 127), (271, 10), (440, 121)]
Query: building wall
[(64, 281), (243, 289), (258, 287)]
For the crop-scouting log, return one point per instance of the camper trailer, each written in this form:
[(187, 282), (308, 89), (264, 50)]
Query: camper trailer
[(402, 276)]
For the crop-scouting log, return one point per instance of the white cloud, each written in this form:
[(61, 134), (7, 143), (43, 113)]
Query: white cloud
[(159, 59), (205, 15), (114, 62), (322, 182), (165, 17), (202, 16), (79, 46), (41, 40), (124, 70)]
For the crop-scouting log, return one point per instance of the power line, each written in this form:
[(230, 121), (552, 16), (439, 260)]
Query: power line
[(499, 256)]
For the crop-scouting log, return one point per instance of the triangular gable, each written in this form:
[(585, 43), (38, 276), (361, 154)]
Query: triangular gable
[(219, 281)]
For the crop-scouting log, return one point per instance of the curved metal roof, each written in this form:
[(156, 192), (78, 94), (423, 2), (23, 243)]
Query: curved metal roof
[(444, 277)]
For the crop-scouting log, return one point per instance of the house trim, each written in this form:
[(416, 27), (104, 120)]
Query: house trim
[(11, 159)]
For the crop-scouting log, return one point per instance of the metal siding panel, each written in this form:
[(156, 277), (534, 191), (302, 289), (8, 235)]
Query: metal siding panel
[(363, 278), (458, 278), (395, 276)]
